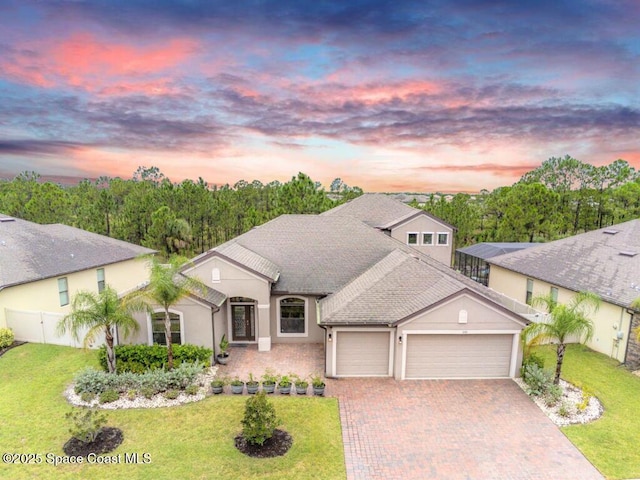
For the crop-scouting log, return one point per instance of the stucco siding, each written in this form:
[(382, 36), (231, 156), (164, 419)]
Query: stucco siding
[(609, 319), (43, 295), (423, 223)]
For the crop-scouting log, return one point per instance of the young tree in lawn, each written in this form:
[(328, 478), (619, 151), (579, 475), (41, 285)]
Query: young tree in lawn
[(101, 313), (167, 287), (565, 320)]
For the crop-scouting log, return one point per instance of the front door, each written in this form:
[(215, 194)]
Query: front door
[(243, 322)]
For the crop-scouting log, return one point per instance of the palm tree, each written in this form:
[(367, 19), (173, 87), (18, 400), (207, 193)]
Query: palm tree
[(167, 286), (565, 320), (101, 312)]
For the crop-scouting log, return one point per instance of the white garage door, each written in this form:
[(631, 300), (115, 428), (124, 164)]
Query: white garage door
[(458, 356), (362, 354)]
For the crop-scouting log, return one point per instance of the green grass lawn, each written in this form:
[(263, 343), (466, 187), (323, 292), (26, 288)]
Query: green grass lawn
[(189, 441), (610, 443)]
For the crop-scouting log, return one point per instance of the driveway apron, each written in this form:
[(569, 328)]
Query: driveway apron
[(445, 429)]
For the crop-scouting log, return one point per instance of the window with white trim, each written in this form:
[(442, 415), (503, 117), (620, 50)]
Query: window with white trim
[(443, 238), (157, 329), (292, 318), (101, 281), (529, 295), (412, 238), (215, 275), (427, 238), (63, 291)]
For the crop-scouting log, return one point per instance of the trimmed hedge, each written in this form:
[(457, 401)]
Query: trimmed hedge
[(140, 358)]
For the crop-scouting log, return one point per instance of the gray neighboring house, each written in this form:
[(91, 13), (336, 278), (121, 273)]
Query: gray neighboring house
[(604, 261), (472, 261), (416, 228), (379, 306), (43, 266)]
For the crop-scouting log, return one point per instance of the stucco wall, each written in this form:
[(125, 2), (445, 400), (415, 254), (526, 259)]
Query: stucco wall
[(423, 223), (43, 295), (607, 321)]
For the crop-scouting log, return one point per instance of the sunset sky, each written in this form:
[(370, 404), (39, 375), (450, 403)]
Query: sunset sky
[(388, 95)]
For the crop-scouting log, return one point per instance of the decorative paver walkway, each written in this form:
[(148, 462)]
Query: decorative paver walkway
[(438, 429)]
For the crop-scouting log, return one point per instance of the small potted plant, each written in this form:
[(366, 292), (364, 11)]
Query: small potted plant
[(217, 385), (252, 384), (223, 356), (317, 381), (284, 385), (269, 380), (237, 386), (301, 385)]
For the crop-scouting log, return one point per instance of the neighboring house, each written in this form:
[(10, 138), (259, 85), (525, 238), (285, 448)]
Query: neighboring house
[(43, 266), (380, 307), (417, 228), (472, 262), (605, 262)]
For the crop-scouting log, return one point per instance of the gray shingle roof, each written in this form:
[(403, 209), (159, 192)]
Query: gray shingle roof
[(252, 260), (30, 252), (587, 262), (487, 250), (374, 209)]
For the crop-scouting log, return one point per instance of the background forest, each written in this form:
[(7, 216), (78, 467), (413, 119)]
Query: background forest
[(562, 197)]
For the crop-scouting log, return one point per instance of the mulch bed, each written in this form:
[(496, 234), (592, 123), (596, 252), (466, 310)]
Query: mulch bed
[(276, 446), (107, 440), (13, 345)]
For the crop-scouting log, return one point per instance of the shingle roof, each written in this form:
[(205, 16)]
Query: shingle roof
[(252, 260), (398, 286), (487, 250), (590, 261), (30, 252)]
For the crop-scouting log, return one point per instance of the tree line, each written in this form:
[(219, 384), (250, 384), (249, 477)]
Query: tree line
[(562, 197)]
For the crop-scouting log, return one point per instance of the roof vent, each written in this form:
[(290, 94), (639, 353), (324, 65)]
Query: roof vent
[(628, 253), (7, 219), (611, 231)]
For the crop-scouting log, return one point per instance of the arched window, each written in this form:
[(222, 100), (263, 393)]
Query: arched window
[(292, 318)]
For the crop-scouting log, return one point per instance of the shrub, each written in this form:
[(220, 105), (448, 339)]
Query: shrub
[(259, 420), (537, 379), (94, 381), (147, 392), (132, 394), (86, 424), (140, 358), (109, 396), (553, 395), (192, 390), (531, 359), (586, 398), (6, 337), (564, 410), (171, 394), (87, 397)]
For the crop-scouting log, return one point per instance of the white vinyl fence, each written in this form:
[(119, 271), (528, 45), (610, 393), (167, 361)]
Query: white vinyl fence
[(40, 327)]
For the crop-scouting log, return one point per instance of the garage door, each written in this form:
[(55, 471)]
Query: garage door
[(458, 356), (361, 354)]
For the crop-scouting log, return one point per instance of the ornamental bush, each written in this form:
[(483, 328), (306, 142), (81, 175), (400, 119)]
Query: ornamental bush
[(259, 420), (97, 382), (140, 358), (86, 424), (538, 380), (6, 337)]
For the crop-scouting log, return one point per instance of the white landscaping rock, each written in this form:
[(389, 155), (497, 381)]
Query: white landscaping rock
[(203, 380)]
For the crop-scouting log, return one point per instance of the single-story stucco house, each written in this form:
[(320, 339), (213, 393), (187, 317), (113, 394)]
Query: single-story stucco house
[(43, 266), (379, 306), (604, 261)]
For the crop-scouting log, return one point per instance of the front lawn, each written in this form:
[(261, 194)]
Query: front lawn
[(610, 443), (189, 441)]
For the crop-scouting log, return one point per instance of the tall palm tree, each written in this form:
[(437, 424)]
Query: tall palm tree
[(101, 313), (167, 286), (565, 320)]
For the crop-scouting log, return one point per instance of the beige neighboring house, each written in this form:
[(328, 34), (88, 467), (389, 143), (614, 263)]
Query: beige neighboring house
[(416, 228), (379, 306), (605, 262), (43, 266)]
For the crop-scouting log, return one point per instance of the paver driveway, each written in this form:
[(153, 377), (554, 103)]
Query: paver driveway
[(442, 429)]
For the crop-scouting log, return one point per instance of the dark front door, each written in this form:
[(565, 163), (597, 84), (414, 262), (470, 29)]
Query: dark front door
[(243, 322)]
